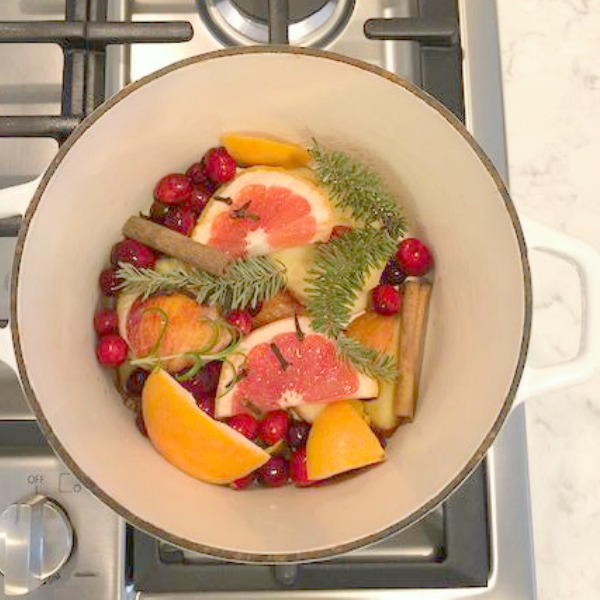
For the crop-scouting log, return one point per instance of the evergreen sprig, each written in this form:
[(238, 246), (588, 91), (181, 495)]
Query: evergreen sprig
[(337, 276), (366, 360), (245, 284), (356, 187)]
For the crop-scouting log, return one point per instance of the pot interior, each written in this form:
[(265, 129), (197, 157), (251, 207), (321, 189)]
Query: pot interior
[(107, 172)]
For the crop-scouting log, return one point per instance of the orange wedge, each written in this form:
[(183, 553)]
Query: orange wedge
[(257, 150), (190, 439), (340, 440)]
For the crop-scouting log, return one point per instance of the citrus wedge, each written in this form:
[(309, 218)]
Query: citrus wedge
[(340, 440), (257, 150), (263, 210), (281, 366), (190, 439)]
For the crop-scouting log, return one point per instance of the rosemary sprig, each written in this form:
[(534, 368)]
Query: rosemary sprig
[(199, 356), (354, 186), (246, 283), (338, 274)]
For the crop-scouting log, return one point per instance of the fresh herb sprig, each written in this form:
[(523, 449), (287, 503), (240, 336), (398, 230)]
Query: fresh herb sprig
[(338, 274), (355, 187), (221, 345), (246, 282)]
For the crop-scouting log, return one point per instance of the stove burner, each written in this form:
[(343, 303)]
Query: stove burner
[(299, 10), (245, 22)]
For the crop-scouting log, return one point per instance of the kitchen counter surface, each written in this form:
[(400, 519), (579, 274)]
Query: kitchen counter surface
[(550, 51)]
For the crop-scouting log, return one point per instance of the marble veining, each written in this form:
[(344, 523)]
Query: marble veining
[(551, 75)]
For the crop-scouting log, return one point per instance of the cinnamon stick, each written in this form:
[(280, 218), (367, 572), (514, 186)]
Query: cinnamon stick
[(175, 244), (412, 338)]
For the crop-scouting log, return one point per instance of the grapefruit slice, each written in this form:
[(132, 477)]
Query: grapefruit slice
[(278, 369), (176, 323), (340, 440), (190, 439), (270, 209), (258, 150)]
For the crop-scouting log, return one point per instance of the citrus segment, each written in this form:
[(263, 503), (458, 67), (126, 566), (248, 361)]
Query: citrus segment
[(176, 321), (340, 440), (265, 209), (280, 367), (190, 439), (256, 150)]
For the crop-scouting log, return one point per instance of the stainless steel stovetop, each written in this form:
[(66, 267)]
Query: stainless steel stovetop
[(478, 544)]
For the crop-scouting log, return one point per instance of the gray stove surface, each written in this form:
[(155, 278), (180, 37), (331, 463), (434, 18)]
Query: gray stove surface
[(30, 79)]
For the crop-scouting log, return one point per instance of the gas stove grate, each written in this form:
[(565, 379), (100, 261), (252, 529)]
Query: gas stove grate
[(83, 37)]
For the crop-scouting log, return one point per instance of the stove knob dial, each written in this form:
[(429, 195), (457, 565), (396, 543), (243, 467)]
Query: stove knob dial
[(36, 540)]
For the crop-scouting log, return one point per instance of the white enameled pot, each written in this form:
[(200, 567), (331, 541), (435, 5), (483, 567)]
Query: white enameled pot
[(479, 321)]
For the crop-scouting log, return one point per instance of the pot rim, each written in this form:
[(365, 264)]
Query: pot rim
[(296, 557)]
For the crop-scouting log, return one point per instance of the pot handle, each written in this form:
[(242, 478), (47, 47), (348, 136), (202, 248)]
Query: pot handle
[(586, 259), (13, 204)]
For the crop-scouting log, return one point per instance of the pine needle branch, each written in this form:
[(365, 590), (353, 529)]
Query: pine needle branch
[(366, 360), (354, 186), (246, 283), (338, 274)]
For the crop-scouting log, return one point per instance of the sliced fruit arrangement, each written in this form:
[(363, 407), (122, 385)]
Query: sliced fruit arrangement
[(262, 210), (266, 320)]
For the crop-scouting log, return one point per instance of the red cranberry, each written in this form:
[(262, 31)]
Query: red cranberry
[(205, 382), (140, 424), (339, 231), (244, 482), (393, 274), (136, 253), (274, 427), (220, 166), (198, 200), (109, 282), (387, 300), (106, 321), (135, 382), (298, 471), (111, 350), (245, 424), (206, 403), (274, 473), (173, 189), (181, 220), (414, 257), (240, 319), (196, 173), (158, 212), (297, 434)]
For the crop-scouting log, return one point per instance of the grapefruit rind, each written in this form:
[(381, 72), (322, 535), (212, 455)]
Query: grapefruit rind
[(256, 241), (340, 440), (190, 439), (224, 406)]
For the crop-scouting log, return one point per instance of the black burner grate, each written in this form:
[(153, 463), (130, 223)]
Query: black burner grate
[(83, 37)]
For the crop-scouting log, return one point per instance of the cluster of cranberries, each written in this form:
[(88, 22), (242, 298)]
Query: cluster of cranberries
[(276, 427), (178, 201), (413, 259), (180, 197)]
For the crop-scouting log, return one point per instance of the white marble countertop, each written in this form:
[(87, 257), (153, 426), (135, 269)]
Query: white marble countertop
[(551, 68)]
